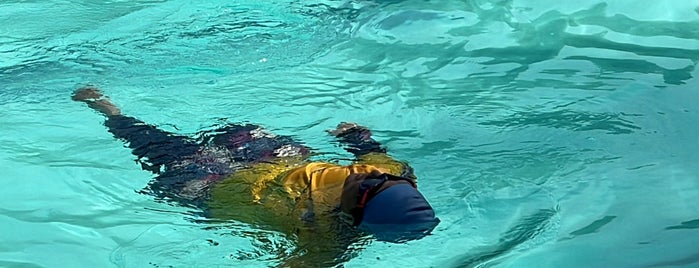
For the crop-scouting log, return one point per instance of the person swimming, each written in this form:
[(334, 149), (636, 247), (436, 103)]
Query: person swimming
[(246, 174)]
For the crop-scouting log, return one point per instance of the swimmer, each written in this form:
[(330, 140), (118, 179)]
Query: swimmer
[(246, 174)]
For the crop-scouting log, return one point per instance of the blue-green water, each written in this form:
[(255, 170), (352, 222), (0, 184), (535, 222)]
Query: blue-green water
[(545, 133)]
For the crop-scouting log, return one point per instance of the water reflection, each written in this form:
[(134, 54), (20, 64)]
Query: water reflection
[(525, 230), (611, 123)]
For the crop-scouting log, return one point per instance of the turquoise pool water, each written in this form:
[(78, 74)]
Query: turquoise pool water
[(545, 133)]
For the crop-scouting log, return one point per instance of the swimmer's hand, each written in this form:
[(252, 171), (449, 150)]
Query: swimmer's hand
[(308, 216)]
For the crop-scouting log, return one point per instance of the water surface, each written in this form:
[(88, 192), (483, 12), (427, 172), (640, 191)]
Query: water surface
[(544, 133)]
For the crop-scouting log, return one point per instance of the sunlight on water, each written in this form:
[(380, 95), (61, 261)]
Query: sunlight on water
[(545, 134)]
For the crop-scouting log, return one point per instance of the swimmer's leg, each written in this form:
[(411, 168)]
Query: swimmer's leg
[(252, 143), (154, 147)]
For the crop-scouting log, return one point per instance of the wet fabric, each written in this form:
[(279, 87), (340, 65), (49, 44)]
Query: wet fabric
[(187, 168), (154, 146)]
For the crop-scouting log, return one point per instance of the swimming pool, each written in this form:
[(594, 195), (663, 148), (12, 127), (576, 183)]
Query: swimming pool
[(544, 134)]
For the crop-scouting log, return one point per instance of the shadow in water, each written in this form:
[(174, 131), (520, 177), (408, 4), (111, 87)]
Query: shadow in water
[(612, 123), (525, 230), (591, 228)]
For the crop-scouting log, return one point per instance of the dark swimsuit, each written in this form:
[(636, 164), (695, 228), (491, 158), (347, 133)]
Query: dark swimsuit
[(187, 167), (178, 160)]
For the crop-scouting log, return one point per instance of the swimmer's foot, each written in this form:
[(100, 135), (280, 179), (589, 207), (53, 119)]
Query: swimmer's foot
[(87, 93), (95, 100)]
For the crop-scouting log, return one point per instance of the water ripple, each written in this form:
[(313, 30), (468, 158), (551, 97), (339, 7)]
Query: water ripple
[(501, 107), (525, 230), (611, 123)]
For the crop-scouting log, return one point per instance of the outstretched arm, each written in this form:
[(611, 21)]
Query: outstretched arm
[(357, 140), (153, 146)]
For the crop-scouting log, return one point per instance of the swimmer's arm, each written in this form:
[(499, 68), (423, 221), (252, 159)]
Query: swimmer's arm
[(357, 140), (324, 244)]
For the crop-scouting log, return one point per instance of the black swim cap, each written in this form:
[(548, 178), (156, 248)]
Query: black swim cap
[(398, 213)]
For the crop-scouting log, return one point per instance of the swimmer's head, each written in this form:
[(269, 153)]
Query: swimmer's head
[(387, 206)]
